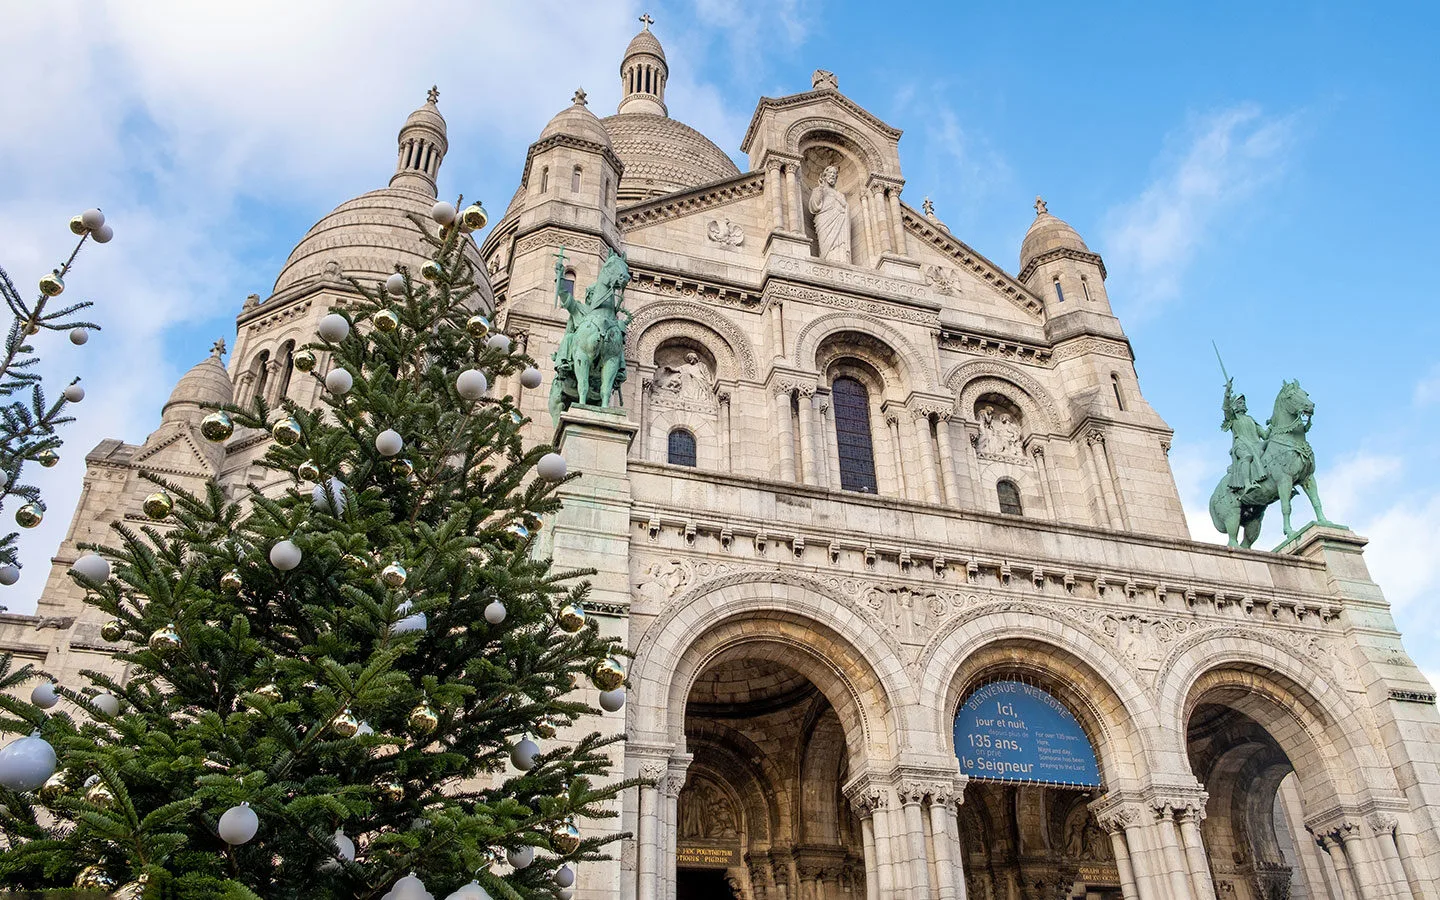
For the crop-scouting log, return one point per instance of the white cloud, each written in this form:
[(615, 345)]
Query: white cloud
[(1427, 389), (192, 125), (1223, 160), (1197, 466)]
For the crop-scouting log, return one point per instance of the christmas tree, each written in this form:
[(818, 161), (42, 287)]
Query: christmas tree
[(351, 690)]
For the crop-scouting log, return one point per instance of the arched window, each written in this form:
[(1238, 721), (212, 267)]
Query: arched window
[(1009, 496), (287, 365), (681, 451), (262, 373), (852, 435), (1115, 384), (1085, 287), (575, 181), (568, 282), (1059, 292), (545, 180)]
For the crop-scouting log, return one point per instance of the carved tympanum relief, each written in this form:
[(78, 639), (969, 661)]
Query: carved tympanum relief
[(1001, 433), (683, 378)]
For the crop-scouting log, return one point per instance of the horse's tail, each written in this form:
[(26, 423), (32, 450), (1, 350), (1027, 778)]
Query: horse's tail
[(1218, 500)]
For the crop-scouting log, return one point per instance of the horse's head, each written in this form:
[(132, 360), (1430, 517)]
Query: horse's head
[(614, 272), (1293, 402)]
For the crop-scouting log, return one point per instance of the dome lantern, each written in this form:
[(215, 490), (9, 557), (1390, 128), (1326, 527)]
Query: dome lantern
[(207, 383), (422, 147), (643, 73)]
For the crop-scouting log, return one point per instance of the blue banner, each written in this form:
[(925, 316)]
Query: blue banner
[(1009, 731)]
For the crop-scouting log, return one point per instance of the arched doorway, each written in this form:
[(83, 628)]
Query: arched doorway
[(761, 815)]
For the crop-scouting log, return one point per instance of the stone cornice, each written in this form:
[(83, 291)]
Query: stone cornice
[(975, 342), (706, 196), (565, 140), (1061, 253), (941, 239), (688, 287), (806, 98)]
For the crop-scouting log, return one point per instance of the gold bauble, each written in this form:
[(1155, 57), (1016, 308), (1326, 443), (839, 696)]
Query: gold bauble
[(134, 890), (217, 426), (47, 458), (477, 326), (308, 471), (77, 225), (571, 618), (269, 691), (394, 575), (392, 791), (608, 674), (286, 432), (165, 639), (51, 285), (544, 728), (53, 787), (101, 796), (29, 515), (158, 505), (423, 718), (231, 581), (354, 561), (518, 531), (304, 360), (473, 217), (565, 839), (403, 468), (431, 271), (345, 724), (93, 878), (113, 630), (386, 320)]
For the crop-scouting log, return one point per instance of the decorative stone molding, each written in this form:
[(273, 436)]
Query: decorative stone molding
[(1096, 346), (1003, 284), (998, 348), (844, 279), (810, 337), (971, 379), (690, 288), (874, 161), (1062, 253), (673, 206), (725, 232), (654, 323), (555, 237)]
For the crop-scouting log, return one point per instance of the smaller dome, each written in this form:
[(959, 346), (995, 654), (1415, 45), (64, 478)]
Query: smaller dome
[(428, 115), (576, 120), (645, 42), (205, 383), (1048, 233)]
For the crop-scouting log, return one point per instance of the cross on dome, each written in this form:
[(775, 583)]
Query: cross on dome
[(647, 20), (580, 96), (433, 95), (217, 350), (1040, 208)]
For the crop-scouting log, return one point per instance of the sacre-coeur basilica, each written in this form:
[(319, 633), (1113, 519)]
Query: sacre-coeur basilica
[(889, 528)]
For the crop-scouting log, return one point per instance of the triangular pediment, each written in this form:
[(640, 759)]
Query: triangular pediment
[(782, 127), (954, 267), (174, 450)]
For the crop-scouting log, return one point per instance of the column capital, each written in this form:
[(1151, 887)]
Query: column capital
[(1095, 437), (1116, 812)]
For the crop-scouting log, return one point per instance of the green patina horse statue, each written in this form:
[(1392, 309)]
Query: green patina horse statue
[(1286, 461), (590, 360)]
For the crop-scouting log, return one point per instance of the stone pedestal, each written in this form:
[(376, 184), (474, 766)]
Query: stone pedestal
[(591, 531)]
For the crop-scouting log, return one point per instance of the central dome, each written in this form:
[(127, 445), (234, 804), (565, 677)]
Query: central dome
[(662, 156)]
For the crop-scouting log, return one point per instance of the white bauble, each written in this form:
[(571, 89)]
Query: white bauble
[(9, 574), (523, 754), (364, 729), (409, 888), (320, 498), (443, 213), (93, 566), (518, 858), (92, 218), (551, 467), (333, 328), (563, 877), (44, 695), (103, 234), (495, 612), (238, 825), (417, 622), (27, 763), (389, 442), (565, 893), (531, 377), (395, 284), (285, 555), (107, 703), (79, 336), (499, 342), (611, 701), (471, 891), (471, 384), (339, 381), (74, 393), (344, 850)]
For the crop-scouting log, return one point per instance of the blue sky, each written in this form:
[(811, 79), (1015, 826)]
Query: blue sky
[(1260, 174)]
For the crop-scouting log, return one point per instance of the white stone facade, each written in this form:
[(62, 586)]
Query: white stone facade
[(801, 648)]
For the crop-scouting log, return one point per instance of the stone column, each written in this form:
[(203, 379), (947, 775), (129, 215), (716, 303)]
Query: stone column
[(943, 837), (640, 449), (272, 383), (831, 444), (1099, 474), (898, 222), (670, 823), (1124, 820), (921, 418), (867, 219), (785, 431), (725, 451), (1111, 480), (877, 210), (647, 835), (872, 868), (1037, 454), (1116, 829), (1176, 870), (775, 188), (777, 329), (808, 456), (1382, 826), (903, 479), (797, 199), (912, 795), (947, 460), (1190, 817), (1335, 849), (1369, 883)]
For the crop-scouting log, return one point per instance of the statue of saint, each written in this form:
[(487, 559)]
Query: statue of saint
[(1245, 471), (832, 218), (689, 380)]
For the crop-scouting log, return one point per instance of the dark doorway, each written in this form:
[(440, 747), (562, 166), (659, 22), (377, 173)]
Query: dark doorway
[(702, 884)]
